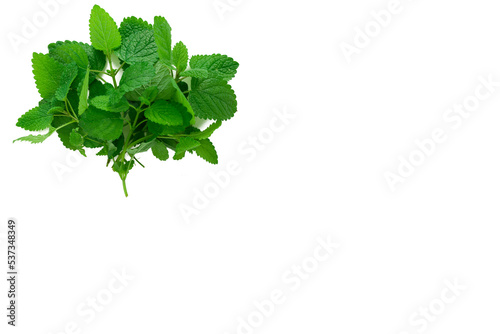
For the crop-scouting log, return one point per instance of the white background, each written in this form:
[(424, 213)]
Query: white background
[(322, 176)]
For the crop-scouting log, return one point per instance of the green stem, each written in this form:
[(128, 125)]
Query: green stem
[(141, 123), (113, 74), (141, 140), (100, 72), (160, 137), (66, 101), (124, 186), (62, 126), (139, 162)]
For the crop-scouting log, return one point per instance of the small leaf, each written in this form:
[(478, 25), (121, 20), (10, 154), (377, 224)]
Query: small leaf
[(160, 150), (133, 24), (179, 97), (36, 139), (83, 105), (149, 95), (196, 73), (180, 57), (103, 102), (218, 66), (205, 134), (75, 138), (141, 148), (165, 113), (163, 38), (185, 144), (207, 151)]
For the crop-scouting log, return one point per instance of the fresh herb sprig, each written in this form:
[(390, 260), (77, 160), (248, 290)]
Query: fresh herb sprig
[(153, 106)]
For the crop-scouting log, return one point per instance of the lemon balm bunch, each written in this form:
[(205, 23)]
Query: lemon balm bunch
[(129, 92)]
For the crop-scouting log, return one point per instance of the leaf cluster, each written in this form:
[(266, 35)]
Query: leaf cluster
[(129, 92)]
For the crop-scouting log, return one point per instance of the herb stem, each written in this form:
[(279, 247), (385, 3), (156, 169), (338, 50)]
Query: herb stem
[(66, 101), (113, 74), (141, 140), (124, 186)]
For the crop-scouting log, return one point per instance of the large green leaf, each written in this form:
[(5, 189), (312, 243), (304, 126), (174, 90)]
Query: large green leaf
[(47, 73), (37, 119), (102, 124), (139, 47), (104, 33), (212, 99)]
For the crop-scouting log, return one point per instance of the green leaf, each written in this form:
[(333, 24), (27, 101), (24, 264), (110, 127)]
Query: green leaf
[(218, 66), (84, 55), (102, 124), (36, 119), (205, 134), (76, 140), (180, 57), (97, 58), (133, 24), (139, 47), (68, 75), (160, 150), (65, 126), (165, 113), (212, 99), (83, 105), (103, 102), (47, 73), (141, 148), (104, 33), (97, 88), (207, 151), (196, 73), (185, 144), (135, 76), (55, 110), (162, 80), (149, 95), (179, 97), (69, 52), (163, 38), (36, 139), (165, 130)]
